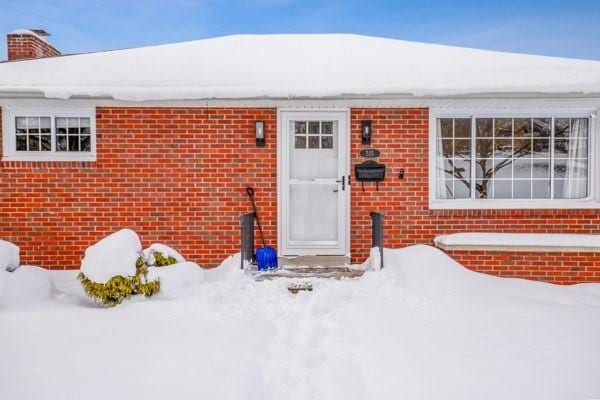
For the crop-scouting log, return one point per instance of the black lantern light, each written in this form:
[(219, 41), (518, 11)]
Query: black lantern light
[(259, 131), (366, 131)]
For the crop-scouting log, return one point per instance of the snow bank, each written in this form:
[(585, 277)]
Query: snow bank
[(253, 66), (425, 267), (9, 256), (115, 255), (228, 269), (424, 327), (25, 285), (176, 279), (165, 250)]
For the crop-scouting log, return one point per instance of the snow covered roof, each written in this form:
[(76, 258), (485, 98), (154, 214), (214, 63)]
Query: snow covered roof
[(288, 66)]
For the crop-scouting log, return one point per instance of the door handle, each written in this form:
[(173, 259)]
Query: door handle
[(343, 182)]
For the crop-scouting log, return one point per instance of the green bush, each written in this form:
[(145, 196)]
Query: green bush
[(162, 261), (120, 288)]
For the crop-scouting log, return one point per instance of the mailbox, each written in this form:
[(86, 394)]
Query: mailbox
[(370, 171)]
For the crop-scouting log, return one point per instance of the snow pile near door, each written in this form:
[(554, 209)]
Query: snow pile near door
[(176, 279), (424, 327)]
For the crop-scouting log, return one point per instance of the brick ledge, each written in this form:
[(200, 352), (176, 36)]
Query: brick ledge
[(524, 242)]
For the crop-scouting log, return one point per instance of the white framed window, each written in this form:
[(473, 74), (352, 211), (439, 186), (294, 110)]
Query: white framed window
[(540, 160), (49, 134)]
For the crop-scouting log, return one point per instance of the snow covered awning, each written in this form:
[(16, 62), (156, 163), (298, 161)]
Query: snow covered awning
[(540, 242)]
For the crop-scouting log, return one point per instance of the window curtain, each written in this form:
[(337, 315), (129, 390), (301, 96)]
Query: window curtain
[(576, 168), (444, 185)]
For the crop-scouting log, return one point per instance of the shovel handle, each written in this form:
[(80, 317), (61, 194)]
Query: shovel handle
[(250, 192)]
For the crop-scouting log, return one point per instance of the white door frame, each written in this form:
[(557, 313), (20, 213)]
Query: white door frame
[(343, 116)]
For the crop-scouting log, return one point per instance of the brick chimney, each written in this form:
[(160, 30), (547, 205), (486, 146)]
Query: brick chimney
[(25, 44)]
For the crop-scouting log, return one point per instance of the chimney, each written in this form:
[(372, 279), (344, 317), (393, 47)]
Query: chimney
[(25, 44)]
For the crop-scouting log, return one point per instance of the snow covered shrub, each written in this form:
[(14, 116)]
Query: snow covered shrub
[(110, 293), (120, 288), (160, 255), (157, 259), (116, 268), (113, 270)]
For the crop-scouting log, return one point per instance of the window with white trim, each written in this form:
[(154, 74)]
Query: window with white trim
[(49, 135), (488, 158)]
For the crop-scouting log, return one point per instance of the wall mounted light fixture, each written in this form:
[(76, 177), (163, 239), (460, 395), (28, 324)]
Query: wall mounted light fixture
[(366, 131), (259, 131)]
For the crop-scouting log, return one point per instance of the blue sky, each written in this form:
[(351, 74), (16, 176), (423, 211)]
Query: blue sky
[(568, 28)]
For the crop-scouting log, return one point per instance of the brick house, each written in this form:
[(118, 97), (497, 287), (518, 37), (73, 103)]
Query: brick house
[(164, 140)]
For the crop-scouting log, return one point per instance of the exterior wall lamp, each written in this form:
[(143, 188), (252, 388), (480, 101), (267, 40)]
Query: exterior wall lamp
[(366, 131), (259, 132)]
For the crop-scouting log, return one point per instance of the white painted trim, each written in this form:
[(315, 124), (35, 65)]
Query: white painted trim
[(591, 202), (342, 115), (8, 133)]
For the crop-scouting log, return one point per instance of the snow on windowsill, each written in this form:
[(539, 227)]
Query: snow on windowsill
[(540, 242), (468, 204)]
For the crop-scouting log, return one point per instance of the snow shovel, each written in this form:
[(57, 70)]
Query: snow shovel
[(266, 257)]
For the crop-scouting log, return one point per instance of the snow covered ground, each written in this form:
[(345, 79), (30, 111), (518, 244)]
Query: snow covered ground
[(422, 328)]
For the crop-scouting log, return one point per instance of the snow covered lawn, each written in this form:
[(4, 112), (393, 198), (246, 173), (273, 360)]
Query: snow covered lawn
[(422, 328)]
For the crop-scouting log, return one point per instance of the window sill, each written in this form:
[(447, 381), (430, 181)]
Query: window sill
[(543, 242), (512, 204), (53, 157)]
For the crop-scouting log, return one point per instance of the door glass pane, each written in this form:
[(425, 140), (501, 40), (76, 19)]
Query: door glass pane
[(313, 161), (313, 212), (300, 142)]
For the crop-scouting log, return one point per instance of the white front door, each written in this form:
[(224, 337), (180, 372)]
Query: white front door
[(313, 183)]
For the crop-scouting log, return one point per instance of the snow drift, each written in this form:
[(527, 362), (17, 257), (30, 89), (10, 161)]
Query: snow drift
[(25, 285), (424, 327), (176, 279), (427, 267), (9, 256)]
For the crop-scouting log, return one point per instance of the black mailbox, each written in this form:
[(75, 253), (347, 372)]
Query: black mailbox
[(370, 171)]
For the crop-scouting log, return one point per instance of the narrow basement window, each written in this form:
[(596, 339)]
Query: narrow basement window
[(49, 136), (532, 158)]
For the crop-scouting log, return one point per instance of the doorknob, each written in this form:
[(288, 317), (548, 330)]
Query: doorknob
[(343, 182)]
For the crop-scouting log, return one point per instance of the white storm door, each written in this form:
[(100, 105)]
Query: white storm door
[(314, 189)]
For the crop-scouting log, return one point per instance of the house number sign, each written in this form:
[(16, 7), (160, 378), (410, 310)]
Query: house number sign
[(369, 153)]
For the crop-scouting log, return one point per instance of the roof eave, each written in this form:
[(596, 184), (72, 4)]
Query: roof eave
[(39, 94)]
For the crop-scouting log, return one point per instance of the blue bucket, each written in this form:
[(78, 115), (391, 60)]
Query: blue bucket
[(266, 258)]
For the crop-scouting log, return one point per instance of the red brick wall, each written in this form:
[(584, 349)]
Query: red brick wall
[(554, 267), (402, 135), (176, 176), (27, 46)]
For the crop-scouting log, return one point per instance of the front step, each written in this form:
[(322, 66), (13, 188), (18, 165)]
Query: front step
[(300, 287), (303, 268), (307, 273)]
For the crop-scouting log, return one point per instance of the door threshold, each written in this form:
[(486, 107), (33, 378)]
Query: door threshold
[(314, 261)]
